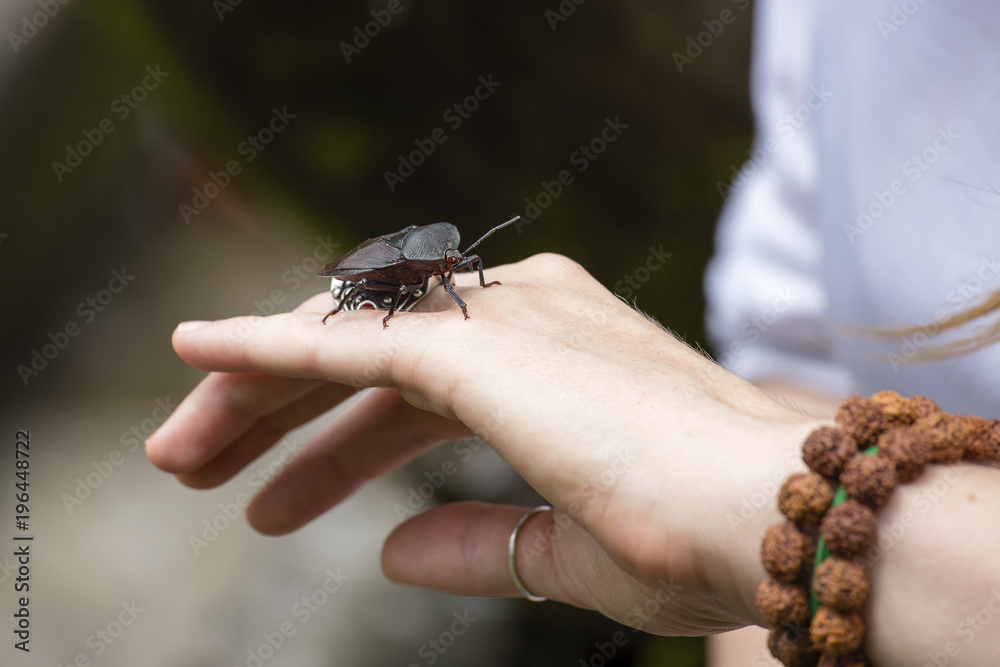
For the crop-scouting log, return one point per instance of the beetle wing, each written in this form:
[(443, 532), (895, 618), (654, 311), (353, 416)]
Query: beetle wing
[(375, 253), (429, 243), (396, 238)]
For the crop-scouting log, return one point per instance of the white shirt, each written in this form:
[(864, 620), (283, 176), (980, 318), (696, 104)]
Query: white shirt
[(871, 199)]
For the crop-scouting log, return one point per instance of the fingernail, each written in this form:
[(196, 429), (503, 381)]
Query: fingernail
[(191, 325)]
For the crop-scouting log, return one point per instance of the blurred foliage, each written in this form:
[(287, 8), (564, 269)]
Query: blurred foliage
[(654, 186)]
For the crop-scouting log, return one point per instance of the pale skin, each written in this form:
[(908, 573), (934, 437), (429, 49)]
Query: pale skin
[(747, 647), (648, 451)]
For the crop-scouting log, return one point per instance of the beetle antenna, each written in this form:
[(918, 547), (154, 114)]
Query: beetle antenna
[(487, 234)]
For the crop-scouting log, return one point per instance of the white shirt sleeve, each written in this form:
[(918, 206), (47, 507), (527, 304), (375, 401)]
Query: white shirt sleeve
[(767, 304), (870, 201)]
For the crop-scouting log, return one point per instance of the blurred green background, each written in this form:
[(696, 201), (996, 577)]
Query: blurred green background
[(199, 79)]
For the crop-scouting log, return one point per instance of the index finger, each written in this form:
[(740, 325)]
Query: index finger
[(351, 349)]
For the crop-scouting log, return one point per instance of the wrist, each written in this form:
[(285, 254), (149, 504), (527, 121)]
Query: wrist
[(766, 458)]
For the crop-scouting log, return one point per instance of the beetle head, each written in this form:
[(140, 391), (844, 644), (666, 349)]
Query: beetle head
[(453, 257)]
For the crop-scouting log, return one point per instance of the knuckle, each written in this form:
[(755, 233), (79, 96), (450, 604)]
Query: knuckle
[(554, 264)]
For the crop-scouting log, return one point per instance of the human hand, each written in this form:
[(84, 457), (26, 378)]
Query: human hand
[(642, 445)]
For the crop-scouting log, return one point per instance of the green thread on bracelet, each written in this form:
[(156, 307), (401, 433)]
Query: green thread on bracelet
[(822, 552)]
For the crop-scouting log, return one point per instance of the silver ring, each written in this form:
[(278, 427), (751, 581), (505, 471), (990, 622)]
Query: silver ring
[(512, 550)]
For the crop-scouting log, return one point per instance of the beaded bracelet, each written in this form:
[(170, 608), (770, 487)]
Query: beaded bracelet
[(817, 587)]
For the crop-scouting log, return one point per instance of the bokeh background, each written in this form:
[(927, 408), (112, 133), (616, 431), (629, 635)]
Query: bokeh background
[(111, 233)]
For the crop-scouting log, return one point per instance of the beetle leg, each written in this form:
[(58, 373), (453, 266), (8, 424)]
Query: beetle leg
[(392, 308), (473, 261), (403, 289), (346, 298), (448, 288)]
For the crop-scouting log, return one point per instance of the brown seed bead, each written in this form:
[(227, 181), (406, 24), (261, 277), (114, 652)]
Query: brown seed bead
[(781, 604), (945, 433), (907, 450), (921, 406), (804, 497), (981, 443), (897, 410), (827, 449), (869, 479), (861, 419), (842, 585), (963, 428), (853, 660), (793, 649), (993, 448), (848, 529), (786, 552), (835, 633)]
